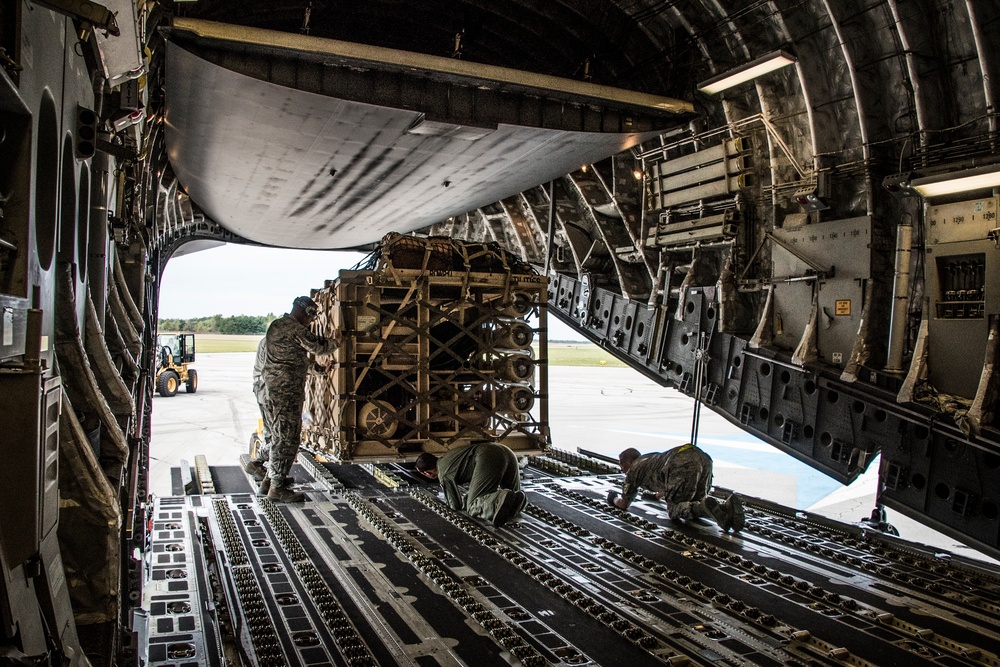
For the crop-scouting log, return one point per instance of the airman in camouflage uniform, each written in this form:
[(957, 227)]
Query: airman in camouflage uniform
[(288, 344), (683, 477), (489, 468)]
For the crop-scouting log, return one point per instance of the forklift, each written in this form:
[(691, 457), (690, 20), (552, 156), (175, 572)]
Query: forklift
[(175, 352)]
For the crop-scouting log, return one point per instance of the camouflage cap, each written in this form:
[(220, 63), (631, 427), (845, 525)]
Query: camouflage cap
[(308, 305)]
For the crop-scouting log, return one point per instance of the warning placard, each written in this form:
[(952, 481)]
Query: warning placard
[(843, 307)]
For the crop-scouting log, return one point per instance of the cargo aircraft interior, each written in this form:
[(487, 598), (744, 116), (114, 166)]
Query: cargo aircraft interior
[(785, 209)]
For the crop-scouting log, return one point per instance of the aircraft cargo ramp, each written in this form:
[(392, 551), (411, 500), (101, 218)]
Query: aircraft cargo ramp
[(376, 569)]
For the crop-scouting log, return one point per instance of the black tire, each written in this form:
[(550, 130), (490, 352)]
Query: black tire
[(168, 384), (192, 382)]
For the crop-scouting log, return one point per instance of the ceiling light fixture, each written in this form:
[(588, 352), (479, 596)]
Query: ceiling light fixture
[(747, 72), (810, 200), (898, 185), (977, 178)]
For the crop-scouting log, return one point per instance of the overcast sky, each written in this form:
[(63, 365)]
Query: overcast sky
[(246, 280)]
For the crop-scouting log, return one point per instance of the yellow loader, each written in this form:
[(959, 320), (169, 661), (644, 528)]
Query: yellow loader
[(175, 352)]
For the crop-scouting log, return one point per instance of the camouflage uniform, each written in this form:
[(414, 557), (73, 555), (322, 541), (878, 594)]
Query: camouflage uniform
[(287, 348), (683, 474), (487, 467), (260, 391)]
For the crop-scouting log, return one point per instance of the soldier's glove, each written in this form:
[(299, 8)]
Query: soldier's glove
[(612, 496)]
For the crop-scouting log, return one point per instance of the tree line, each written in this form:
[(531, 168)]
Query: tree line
[(234, 324)]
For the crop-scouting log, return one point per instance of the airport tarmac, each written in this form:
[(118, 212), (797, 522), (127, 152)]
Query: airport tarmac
[(601, 409)]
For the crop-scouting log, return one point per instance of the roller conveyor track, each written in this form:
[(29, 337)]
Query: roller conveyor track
[(870, 611), (375, 569)]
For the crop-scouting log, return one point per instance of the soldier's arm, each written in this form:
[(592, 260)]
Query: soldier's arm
[(451, 494), (629, 490), (318, 345)]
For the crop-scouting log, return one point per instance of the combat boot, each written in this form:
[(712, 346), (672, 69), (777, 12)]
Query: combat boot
[(522, 504), (257, 469), (265, 485), (507, 506), (737, 515), (718, 512), (283, 493)]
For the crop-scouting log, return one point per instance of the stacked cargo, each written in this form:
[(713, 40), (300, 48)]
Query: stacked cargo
[(437, 351)]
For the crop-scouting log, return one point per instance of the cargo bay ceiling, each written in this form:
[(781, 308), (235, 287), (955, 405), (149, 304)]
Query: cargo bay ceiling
[(879, 87)]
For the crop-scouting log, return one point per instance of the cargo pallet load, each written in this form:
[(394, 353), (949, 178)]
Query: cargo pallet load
[(436, 352)]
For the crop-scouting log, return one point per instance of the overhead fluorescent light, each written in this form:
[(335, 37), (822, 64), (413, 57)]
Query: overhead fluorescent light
[(747, 72), (977, 178)]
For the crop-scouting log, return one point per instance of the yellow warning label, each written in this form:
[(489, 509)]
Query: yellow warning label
[(843, 307)]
